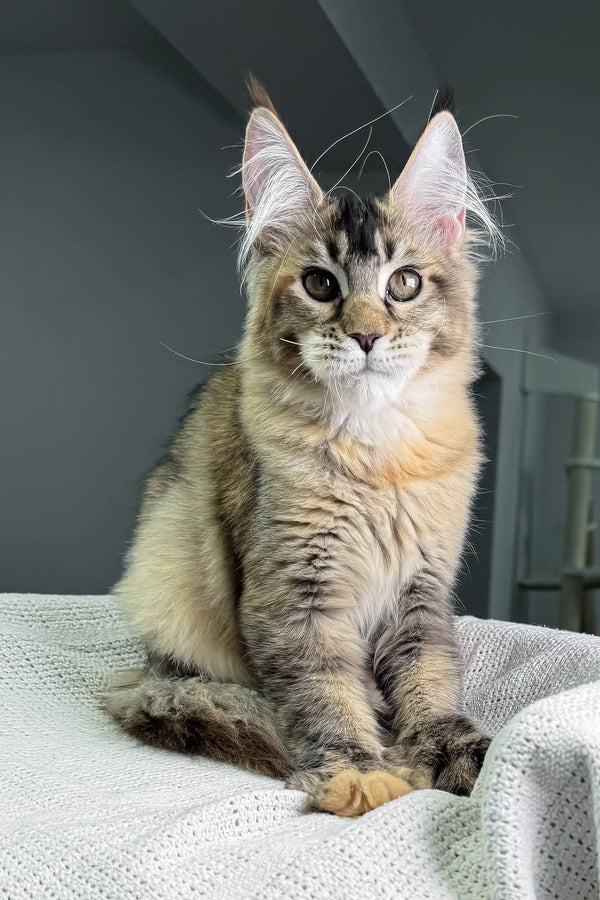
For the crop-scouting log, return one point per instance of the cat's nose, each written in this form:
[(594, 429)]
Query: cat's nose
[(366, 341)]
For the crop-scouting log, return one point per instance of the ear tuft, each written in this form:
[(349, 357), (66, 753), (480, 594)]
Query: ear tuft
[(258, 94), (444, 101)]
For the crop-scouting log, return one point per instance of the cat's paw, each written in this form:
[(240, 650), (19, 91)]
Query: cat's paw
[(328, 765), (352, 793), (459, 762), (311, 780), (346, 791)]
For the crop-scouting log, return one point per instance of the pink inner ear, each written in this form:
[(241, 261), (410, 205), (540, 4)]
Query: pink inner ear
[(433, 186), (448, 229)]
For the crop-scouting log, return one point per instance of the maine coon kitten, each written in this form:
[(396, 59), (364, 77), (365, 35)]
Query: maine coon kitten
[(295, 551)]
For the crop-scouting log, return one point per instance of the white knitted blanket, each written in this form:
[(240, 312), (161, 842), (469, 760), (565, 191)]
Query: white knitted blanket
[(87, 812)]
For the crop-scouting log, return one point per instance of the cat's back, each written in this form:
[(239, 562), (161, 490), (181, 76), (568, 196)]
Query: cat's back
[(219, 455), (181, 583), (207, 478), (207, 440)]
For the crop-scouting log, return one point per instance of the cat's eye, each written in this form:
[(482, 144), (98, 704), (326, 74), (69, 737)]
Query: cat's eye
[(321, 285), (404, 284)]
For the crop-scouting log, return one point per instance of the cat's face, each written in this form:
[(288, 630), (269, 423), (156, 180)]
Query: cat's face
[(357, 295), (364, 303)]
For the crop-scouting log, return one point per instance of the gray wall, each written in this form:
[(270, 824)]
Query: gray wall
[(104, 161)]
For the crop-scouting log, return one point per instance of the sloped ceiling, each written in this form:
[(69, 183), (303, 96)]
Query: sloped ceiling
[(293, 48), (534, 60), (42, 26)]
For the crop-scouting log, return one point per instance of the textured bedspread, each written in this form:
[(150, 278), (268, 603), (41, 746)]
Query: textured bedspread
[(87, 812)]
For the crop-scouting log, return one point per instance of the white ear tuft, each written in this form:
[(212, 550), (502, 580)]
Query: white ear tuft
[(432, 189), (278, 186)]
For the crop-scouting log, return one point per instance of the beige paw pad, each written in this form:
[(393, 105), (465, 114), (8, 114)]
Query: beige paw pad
[(352, 793)]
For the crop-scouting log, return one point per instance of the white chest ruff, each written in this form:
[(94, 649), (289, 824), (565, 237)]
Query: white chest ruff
[(388, 568)]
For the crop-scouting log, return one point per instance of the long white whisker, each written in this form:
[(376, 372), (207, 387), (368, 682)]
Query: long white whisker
[(517, 350), (349, 189), (200, 362), (487, 118), (443, 323), (515, 318), (380, 155), (435, 96), (360, 127), (349, 169)]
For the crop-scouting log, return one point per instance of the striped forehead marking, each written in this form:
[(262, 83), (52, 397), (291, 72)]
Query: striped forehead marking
[(360, 221)]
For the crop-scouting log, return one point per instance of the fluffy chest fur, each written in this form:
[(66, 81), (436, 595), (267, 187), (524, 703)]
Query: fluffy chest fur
[(358, 506)]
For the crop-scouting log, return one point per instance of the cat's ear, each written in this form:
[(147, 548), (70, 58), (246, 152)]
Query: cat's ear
[(432, 189), (278, 186)]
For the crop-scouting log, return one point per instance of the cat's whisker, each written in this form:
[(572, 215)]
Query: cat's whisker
[(435, 96), (515, 318), (351, 166), (443, 322), (516, 350), (416, 330), (350, 191), (338, 183), (380, 155), (408, 324), (487, 118), (200, 362), (388, 112)]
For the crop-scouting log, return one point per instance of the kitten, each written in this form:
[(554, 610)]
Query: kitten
[(296, 548)]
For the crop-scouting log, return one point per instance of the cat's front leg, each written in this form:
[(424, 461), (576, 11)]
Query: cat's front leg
[(307, 660), (418, 668)]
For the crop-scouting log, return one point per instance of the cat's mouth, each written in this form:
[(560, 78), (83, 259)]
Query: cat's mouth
[(368, 372), (369, 368), (372, 366), (378, 371)]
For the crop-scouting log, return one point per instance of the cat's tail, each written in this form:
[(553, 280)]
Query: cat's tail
[(227, 722)]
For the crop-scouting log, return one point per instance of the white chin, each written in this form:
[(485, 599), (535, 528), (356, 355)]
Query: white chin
[(362, 387)]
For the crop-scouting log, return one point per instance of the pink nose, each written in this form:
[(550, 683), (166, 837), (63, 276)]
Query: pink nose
[(366, 341)]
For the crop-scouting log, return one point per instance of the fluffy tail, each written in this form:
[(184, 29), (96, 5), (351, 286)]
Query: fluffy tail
[(227, 722)]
